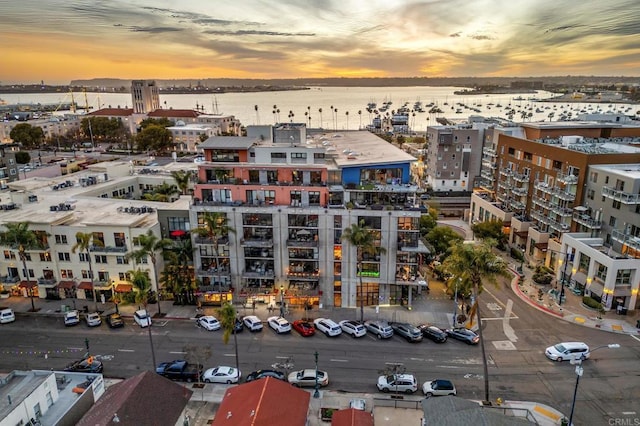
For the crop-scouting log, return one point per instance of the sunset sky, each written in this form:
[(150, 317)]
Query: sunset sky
[(61, 40)]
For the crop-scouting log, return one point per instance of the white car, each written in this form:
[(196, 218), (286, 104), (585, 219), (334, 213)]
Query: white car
[(252, 322), (142, 318), (439, 387), (406, 383), (567, 351), (209, 323), (354, 328), (7, 316), (222, 374), (279, 324), (327, 326), (71, 318), (307, 378), (93, 319)]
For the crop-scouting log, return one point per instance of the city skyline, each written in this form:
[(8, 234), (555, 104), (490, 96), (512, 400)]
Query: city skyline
[(57, 41)]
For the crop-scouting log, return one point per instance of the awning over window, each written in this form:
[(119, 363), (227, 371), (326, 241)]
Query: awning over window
[(66, 284), (27, 284), (85, 285), (124, 288)]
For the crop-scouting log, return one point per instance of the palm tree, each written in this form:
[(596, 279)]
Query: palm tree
[(177, 276), (182, 178), (472, 265), (84, 242), (215, 228), (140, 280), (227, 314), (360, 116), (163, 193), (257, 116), (150, 245), (320, 111), (363, 238), (347, 114), (19, 236)]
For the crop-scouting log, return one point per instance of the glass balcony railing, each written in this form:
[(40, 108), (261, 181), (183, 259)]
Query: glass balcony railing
[(623, 197), (587, 221)]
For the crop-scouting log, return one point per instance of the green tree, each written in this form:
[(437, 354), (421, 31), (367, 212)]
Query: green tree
[(363, 239), (155, 138), (23, 157), (164, 122), (85, 241), (470, 266), (150, 245), (227, 314), (162, 193), (441, 238), (142, 284), (182, 178), (19, 237), (428, 221), (216, 229), (27, 135), (490, 230), (178, 275)]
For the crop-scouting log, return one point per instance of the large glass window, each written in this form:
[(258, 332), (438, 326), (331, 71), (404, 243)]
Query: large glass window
[(623, 277), (583, 266)]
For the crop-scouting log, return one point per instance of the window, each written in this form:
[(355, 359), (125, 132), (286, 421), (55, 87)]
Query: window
[(124, 276), (585, 260), (314, 198), (123, 260), (590, 194), (8, 254), (98, 239), (118, 237), (66, 273), (87, 275), (616, 204), (601, 271), (612, 221), (279, 155), (84, 257), (61, 239), (593, 177), (45, 257), (606, 180), (623, 277), (65, 257), (101, 258), (299, 155)]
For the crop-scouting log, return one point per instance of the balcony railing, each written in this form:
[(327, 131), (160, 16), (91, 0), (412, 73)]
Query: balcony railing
[(206, 240), (47, 281), (586, 220), (487, 174), (506, 171), (521, 191), (214, 272), (555, 191), (489, 151), (108, 249), (258, 274), (302, 243), (7, 279), (562, 211), (623, 197), (567, 179), (519, 177), (622, 237), (257, 242)]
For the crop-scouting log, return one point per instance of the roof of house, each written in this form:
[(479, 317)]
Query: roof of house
[(263, 402), (454, 411), (171, 113), (228, 142), (351, 417), (111, 112), (147, 398)]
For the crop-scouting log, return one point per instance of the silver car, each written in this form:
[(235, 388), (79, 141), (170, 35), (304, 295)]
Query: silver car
[(353, 328), (381, 329)]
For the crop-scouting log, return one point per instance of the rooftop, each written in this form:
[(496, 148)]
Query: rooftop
[(627, 170)]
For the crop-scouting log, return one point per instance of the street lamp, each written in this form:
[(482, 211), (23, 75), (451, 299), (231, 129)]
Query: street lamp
[(316, 392), (580, 370), (455, 302)]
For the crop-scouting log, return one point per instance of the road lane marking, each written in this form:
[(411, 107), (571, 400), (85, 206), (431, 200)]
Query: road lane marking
[(177, 352), (634, 337), (628, 413), (282, 357), (448, 366), (229, 354), (416, 359), (76, 349), (339, 360), (506, 327), (126, 350)]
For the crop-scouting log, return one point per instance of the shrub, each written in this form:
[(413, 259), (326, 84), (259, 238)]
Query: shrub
[(592, 303), (542, 278), (517, 254)]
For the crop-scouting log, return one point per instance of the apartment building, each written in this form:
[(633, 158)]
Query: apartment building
[(107, 201), (545, 184), (145, 96), (289, 195)]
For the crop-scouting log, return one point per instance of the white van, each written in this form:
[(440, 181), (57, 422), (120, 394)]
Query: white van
[(7, 315), (567, 351), (142, 318)]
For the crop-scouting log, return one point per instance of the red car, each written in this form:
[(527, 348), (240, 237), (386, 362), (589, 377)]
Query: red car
[(305, 328)]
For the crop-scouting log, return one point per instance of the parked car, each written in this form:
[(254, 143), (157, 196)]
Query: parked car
[(209, 323), (353, 328), (381, 329), (238, 326), (406, 383), (115, 321), (305, 328), (307, 378), (180, 369), (438, 387), (142, 318), (252, 322), (434, 333), (87, 365), (358, 404), (464, 335), (327, 326), (567, 351), (7, 316), (93, 319), (279, 325), (71, 318), (222, 374), (409, 332), (261, 374)]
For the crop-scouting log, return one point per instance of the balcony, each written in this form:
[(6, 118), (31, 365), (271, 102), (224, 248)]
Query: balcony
[(7, 279), (489, 151), (587, 221), (567, 179), (302, 243), (521, 191), (623, 197), (555, 191), (487, 174), (522, 178), (561, 211), (506, 171), (261, 273), (303, 275), (622, 237), (47, 281), (504, 184), (108, 249), (214, 272), (209, 241), (516, 205), (256, 242), (540, 216), (559, 226)]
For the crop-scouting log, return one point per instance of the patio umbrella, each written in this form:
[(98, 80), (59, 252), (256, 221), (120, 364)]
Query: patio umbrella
[(178, 233)]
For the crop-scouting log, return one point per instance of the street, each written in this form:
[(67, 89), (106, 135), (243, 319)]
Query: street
[(515, 337)]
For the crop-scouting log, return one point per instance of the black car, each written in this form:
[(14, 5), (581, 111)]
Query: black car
[(88, 365), (238, 326), (260, 374), (464, 335), (115, 321), (434, 333)]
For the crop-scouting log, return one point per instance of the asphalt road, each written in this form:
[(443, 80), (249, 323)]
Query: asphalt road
[(515, 346)]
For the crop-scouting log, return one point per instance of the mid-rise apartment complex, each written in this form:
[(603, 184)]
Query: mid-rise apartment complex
[(560, 178)]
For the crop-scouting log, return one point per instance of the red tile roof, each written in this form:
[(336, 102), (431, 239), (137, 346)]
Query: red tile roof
[(112, 112), (351, 417), (145, 399), (177, 113), (266, 401)]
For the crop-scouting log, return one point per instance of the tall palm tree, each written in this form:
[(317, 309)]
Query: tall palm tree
[(215, 227), (257, 116), (150, 245), (320, 111), (177, 276), (19, 237), (363, 238), (84, 242), (182, 178), (227, 314), (141, 282), (475, 264), (163, 192)]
